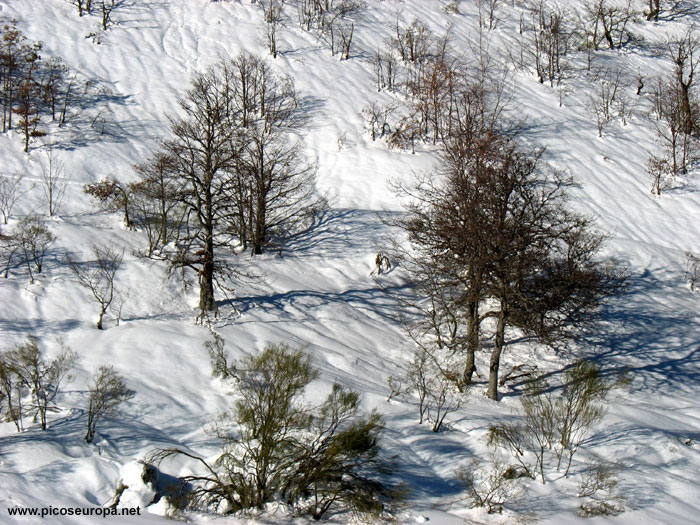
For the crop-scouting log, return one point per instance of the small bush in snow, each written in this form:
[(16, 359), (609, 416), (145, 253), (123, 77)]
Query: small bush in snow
[(555, 424), (492, 485)]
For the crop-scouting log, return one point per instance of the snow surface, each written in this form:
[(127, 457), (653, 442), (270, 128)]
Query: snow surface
[(319, 293)]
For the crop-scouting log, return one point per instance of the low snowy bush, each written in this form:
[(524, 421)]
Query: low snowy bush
[(277, 448)]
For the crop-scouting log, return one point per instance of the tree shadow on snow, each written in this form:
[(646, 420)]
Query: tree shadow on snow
[(656, 343), (338, 233)]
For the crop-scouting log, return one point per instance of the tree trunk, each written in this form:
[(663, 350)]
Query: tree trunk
[(99, 319), (685, 107), (492, 391), (472, 343)]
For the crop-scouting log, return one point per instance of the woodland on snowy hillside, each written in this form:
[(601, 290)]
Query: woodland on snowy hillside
[(339, 260)]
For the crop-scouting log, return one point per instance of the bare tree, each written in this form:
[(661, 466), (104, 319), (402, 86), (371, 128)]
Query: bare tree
[(493, 485), (551, 33), (377, 119), (654, 10), (487, 13), (685, 54), (13, 389), (54, 75), (98, 276), (272, 11), (106, 8), (518, 245), (157, 201), (84, 6), (386, 69), (679, 150), (412, 42), (54, 181), (430, 379), (240, 165), (108, 391), (10, 193), (609, 99), (607, 21), (692, 269), (13, 48), (34, 238), (42, 378), (203, 147)]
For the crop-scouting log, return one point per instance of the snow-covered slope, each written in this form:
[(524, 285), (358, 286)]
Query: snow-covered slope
[(319, 293)]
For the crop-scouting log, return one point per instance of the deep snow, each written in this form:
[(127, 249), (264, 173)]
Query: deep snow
[(318, 293)]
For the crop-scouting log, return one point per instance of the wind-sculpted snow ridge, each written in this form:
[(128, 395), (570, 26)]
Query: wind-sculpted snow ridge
[(317, 291)]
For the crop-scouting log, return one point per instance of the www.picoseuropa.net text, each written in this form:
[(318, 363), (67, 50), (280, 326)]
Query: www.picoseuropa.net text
[(48, 512)]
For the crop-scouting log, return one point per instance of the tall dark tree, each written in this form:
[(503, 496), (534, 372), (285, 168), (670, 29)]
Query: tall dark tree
[(235, 156), (496, 227), (204, 148)]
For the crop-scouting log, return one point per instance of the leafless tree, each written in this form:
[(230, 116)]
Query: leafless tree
[(607, 21), (551, 33), (386, 69), (98, 276), (346, 32), (106, 8), (487, 13), (54, 181), (41, 378), (692, 269), (685, 54), (238, 160), (413, 41), (609, 99), (11, 62), (34, 239), (377, 119), (10, 193), (83, 6), (679, 150), (654, 10), (107, 393), (518, 245), (13, 389), (430, 379), (492, 485), (53, 79), (157, 201), (272, 11)]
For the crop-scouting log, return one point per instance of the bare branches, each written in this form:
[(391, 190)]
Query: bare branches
[(54, 182), (98, 276), (10, 193), (107, 393), (25, 369), (692, 269)]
